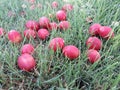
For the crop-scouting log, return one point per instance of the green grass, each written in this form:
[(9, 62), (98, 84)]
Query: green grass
[(53, 71)]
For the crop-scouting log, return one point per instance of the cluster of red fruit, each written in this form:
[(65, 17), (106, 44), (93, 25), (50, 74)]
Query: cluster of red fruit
[(94, 43), (42, 29)]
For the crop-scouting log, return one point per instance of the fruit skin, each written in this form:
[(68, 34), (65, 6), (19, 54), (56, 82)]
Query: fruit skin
[(32, 24), (61, 15), (43, 34), (26, 62), (67, 7), (94, 29), (106, 32), (93, 55), (54, 4), (56, 43), (71, 52), (44, 22), (27, 48), (14, 36), (28, 33), (53, 26), (2, 31), (64, 25), (94, 43)]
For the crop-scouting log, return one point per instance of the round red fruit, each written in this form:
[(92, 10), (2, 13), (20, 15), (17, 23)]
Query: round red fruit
[(71, 52), (28, 33), (56, 43), (64, 25), (43, 34), (53, 26), (31, 24), (106, 32), (14, 36), (44, 22), (26, 62), (93, 56), (94, 43), (54, 4), (27, 48), (67, 7), (94, 29), (61, 15)]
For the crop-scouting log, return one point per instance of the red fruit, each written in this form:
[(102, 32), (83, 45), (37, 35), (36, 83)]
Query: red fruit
[(53, 26), (43, 34), (94, 29), (106, 32), (54, 4), (64, 25), (56, 43), (67, 7), (93, 55), (61, 15), (71, 52), (94, 43), (30, 33), (2, 31), (31, 24), (44, 22), (26, 62), (14, 36), (27, 48)]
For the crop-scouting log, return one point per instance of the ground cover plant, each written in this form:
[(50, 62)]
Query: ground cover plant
[(59, 45)]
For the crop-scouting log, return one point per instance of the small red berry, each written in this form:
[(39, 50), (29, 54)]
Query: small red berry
[(27, 48), (53, 26), (61, 15), (67, 7), (26, 62), (64, 25), (93, 56), (28, 33), (56, 43), (94, 43), (54, 4), (32, 24), (14, 36), (71, 52), (43, 34), (44, 22), (94, 29), (106, 32)]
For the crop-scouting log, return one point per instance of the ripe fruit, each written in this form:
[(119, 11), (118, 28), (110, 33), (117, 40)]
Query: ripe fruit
[(61, 15), (44, 22), (56, 43), (67, 7), (94, 29), (71, 52), (106, 32), (2, 31), (27, 48), (31, 24), (43, 34), (54, 4), (29, 33), (93, 55), (26, 62), (94, 43), (64, 25), (14, 36), (53, 26)]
